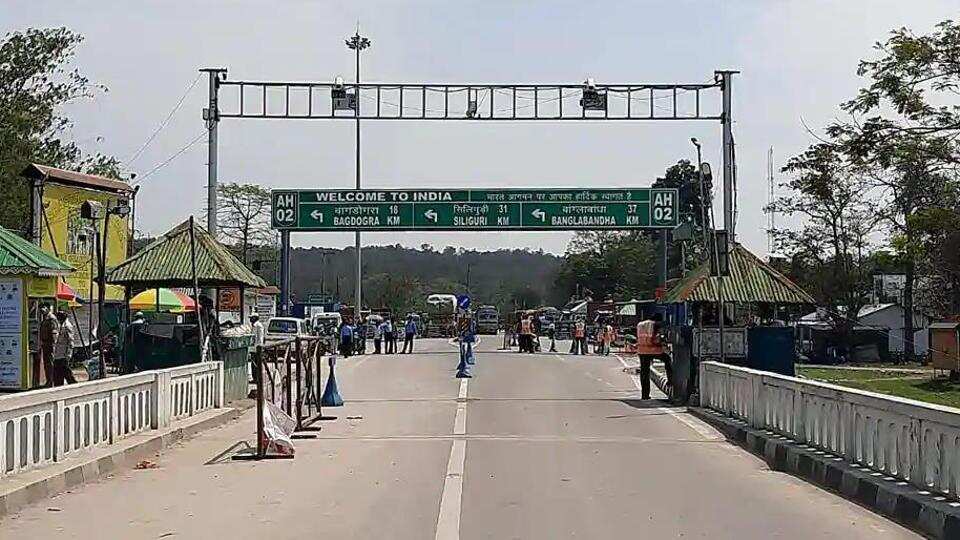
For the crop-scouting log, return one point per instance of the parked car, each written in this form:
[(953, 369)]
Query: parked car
[(287, 327)]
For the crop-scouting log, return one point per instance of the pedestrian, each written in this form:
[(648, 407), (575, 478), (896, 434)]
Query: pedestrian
[(537, 330), (390, 335), (259, 338), (259, 331), (132, 343), (409, 331), (526, 335), (378, 332), (607, 338), (63, 351), (49, 333), (649, 348), (346, 339), (468, 336), (579, 337), (360, 331), (552, 333)]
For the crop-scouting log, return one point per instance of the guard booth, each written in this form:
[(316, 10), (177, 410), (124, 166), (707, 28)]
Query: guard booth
[(29, 277), (756, 302)]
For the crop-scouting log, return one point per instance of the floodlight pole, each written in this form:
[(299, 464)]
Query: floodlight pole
[(358, 43)]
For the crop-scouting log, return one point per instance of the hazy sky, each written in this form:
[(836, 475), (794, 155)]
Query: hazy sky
[(798, 61)]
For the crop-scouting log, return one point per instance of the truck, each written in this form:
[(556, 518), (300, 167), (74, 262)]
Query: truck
[(441, 316), (488, 320)]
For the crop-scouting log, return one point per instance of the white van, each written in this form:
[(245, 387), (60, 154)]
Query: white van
[(287, 327)]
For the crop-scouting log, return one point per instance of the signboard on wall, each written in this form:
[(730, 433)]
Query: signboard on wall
[(12, 349), (229, 300), (266, 306)]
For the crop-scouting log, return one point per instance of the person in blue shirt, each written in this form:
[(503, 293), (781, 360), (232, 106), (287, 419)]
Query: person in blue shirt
[(346, 339), (388, 336), (409, 331), (468, 336)]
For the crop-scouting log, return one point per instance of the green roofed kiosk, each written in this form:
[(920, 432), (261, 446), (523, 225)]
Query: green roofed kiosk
[(28, 277), (757, 300), (189, 259)]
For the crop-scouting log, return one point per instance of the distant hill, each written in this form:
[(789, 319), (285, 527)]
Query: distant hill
[(401, 278)]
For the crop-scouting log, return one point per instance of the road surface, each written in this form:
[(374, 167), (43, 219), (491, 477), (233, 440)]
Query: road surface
[(537, 446)]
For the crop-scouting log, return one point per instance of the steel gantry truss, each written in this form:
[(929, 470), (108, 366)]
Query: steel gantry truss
[(512, 102), (586, 102)]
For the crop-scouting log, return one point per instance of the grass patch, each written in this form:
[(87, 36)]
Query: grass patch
[(939, 390), (840, 375)]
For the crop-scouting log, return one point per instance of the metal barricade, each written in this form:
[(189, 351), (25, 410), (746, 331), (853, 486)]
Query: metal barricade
[(288, 374)]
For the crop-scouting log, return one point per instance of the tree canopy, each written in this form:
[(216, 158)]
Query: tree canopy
[(36, 81)]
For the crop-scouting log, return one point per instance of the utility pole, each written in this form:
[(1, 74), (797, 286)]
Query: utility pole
[(726, 87), (212, 117), (710, 243), (771, 198), (358, 43), (284, 272)]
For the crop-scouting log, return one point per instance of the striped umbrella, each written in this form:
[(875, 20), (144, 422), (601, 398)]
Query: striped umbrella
[(162, 300), (66, 292)]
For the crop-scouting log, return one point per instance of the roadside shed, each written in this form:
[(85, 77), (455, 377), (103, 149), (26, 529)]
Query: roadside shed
[(28, 277), (186, 257), (756, 301)]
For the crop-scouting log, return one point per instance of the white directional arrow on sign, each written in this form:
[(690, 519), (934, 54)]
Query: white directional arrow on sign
[(316, 214), (431, 215), (540, 214)]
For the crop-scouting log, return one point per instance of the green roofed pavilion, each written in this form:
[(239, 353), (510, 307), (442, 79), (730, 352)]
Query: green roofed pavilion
[(167, 263), (750, 281)]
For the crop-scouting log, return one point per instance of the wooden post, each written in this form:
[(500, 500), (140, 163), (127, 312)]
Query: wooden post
[(196, 286)]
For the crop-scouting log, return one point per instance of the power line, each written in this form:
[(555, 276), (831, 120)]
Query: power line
[(165, 121), (171, 158)]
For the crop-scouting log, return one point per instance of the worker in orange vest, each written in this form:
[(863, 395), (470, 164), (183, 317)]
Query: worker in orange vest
[(579, 345), (526, 335), (611, 338), (649, 348)]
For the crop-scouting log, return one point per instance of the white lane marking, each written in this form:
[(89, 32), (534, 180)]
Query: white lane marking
[(686, 419), (448, 521)]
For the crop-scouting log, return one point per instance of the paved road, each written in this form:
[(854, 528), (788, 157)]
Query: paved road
[(543, 446)]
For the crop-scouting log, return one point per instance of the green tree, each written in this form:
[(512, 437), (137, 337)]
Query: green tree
[(606, 264), (243, 216), (828, 251), (903, 131), (918, 77), (694, 199), (400, 294), (36, 81)]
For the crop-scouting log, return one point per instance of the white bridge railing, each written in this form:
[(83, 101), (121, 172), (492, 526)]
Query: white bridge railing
[(910, 440), (45, 426)]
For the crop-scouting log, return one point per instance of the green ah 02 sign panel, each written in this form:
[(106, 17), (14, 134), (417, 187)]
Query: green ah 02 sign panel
[(474, 210)]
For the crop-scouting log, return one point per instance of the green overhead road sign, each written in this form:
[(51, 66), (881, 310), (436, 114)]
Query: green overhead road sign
[(475, 209)]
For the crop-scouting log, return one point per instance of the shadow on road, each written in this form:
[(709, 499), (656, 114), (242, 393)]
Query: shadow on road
[(239, 447), (646, 403)]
